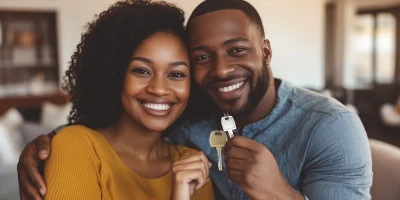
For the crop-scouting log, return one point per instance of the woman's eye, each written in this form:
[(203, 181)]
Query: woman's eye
[(141, 71), (177, 75)]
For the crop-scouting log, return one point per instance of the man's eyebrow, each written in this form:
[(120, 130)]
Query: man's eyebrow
[(143, 59), (230, 41), (238, 39)]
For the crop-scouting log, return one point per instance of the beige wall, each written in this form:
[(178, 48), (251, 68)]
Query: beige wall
[(294, 27)]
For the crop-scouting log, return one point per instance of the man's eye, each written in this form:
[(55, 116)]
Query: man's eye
[(238, 50), (141, 71), (203, 57), (177, 75)]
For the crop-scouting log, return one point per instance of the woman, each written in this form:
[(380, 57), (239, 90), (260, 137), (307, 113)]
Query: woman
[(129, 81)]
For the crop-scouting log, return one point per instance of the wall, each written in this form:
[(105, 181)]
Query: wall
[(294, 28)]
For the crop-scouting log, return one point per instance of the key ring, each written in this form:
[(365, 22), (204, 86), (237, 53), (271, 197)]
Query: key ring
[(226, 115)]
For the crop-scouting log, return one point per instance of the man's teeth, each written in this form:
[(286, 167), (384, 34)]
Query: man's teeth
[(231, 87), (157, 106)]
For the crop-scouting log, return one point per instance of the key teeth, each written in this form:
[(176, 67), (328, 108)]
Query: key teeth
[(230, 133), (219, 159)]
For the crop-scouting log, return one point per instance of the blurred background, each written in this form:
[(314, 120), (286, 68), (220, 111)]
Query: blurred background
[(347, 49)]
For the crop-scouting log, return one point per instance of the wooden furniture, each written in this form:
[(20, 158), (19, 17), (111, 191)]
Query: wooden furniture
[(30, 107), (28, 53), (29, 68)]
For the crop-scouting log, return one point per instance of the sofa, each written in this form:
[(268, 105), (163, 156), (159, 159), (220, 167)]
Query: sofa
[(17, 130)]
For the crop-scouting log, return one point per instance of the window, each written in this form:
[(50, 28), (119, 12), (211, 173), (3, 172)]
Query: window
[(375, 48), (385, 48)]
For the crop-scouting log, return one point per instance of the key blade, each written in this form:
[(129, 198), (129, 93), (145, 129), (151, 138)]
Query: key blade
[(230, 132), (219, 152)]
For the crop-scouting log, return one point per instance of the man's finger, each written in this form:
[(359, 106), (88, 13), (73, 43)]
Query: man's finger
[(31, 168), (237, 153), (32, 193), (245, 143), (236, 164), (236, 176), (42, 144), (26, 189), (21, 195)]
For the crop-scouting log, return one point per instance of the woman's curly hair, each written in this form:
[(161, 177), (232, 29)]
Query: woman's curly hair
[(97, 68)]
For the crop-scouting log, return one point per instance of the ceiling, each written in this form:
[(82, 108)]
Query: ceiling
[(371, 3), (376, 3)]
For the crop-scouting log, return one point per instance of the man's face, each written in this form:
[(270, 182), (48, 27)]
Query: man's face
[(229, 60)]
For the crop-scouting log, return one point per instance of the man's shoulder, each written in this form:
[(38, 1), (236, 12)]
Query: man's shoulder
[(314, 103)]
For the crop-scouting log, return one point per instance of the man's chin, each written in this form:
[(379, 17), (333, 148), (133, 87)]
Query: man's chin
[(232, 109)]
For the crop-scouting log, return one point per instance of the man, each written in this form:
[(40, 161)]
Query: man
[(292, 143)]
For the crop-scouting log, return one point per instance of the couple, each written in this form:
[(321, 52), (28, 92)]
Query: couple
[(130, 80)]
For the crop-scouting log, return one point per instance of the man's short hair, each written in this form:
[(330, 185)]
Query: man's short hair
[(208, 6)]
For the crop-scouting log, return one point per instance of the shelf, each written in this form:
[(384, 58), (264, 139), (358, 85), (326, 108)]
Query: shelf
[(31, 101), (28, 67)]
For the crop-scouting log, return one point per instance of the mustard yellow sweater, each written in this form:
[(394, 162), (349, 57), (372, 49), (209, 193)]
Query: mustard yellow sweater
[(84, 166)]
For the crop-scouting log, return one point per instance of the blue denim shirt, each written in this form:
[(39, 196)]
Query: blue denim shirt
[(320, 146)]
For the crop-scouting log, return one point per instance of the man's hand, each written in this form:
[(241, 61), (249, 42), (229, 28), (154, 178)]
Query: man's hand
[(190, 173), (253, 167), (30, 165)]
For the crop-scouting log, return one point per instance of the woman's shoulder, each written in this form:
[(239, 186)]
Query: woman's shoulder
[(182, 151), (74, 134)]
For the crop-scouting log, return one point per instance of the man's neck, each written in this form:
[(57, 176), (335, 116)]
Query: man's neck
[(263, 108)]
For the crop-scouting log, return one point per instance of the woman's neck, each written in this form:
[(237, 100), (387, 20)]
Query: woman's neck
[(129, 138)]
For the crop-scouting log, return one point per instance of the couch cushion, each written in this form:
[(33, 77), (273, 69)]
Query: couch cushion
[(385, 166)]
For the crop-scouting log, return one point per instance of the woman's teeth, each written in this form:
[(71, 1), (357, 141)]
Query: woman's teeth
[(231, 87), (157, 106)]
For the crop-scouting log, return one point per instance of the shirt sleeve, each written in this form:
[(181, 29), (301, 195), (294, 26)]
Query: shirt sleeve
[(338, 161), (72, 170)]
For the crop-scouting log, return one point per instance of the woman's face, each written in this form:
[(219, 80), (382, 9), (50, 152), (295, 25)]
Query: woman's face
[(157, 82)]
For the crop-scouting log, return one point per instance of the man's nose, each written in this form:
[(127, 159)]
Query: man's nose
[(221, 68)]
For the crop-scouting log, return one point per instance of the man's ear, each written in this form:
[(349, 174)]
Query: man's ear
[(267, 51)]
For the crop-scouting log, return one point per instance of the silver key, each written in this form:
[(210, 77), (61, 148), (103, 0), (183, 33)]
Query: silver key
[(228, 124), (218, 140)]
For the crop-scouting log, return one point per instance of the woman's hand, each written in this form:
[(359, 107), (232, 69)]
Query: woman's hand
[(190, 173)]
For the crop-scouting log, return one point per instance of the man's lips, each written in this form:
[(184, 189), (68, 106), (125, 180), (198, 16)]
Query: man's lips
[(229, 91), (231, 87), (228, 83)]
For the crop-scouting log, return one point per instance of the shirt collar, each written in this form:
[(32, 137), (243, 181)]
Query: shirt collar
[(283, 92)]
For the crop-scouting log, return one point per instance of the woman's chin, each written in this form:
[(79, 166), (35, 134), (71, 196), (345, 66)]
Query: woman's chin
[(157, 127)]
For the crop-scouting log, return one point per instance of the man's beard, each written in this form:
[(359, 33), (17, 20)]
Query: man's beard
[(256, 93)]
